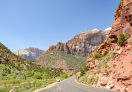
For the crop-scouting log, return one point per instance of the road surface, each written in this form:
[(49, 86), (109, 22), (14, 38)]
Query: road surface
[(69, 85)]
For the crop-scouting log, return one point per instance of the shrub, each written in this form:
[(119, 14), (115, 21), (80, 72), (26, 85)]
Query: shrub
[(28, 73), (4, 90), (83, 70), (88, 80), (108, 57), (46, 76), (64, 76), (122, 39), (83, 79), (106, 69), (92, 80), (97, 56), (38, 75)]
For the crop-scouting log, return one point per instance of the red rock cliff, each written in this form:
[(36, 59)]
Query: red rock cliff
[(117, 73)]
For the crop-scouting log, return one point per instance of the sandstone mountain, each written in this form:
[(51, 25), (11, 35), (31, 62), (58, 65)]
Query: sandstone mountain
[(30, 53), (110, 66), (72, 54), (83, 43)]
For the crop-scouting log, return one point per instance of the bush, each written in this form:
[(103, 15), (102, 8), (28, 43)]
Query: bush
[(83, 70), (97, 56), (38, 75), (108, 57), (83, 79), (46, 76), (4, 90), (88, 80), (122, 38), (92, 80), (64, 76), (28, 73)]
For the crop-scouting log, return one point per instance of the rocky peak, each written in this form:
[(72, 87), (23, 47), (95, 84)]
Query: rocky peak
[(83, 43), (30, 53)]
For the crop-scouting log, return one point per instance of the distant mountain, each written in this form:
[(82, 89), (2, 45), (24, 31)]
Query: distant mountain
[(72, 54), (10, 59), (29, 53), (83, 43)]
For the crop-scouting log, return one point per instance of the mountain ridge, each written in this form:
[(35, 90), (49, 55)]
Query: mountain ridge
[(77, 49), (30, 53)]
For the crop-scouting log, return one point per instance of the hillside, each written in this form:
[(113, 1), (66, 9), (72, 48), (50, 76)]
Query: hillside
[(62, 60), (16, 73), (72, 54), (9, 58), (29, 53), (110, 66)]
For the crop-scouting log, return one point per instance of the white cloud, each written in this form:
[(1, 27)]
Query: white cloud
[(109, 28)]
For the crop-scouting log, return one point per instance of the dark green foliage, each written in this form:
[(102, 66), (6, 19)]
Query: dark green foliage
[(64, 76), (4, 90), (122, 38), (83, 70), (97, 56), (38, 75)]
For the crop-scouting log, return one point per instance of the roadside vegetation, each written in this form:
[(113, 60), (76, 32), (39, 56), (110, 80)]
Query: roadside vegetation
[(20, 75), (27, 81), (88, 79)]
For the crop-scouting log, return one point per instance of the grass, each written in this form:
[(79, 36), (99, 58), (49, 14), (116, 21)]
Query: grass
[(88, 80), (105, 59), (28, 85), (31, 86)]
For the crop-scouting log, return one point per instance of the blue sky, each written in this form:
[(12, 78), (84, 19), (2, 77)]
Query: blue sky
[(42, 23)]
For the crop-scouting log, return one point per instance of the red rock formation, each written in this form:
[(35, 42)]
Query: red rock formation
[(82, 44), (72, 54), (120, 68)]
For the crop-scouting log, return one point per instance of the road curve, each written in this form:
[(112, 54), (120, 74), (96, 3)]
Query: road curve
[(69, 85)]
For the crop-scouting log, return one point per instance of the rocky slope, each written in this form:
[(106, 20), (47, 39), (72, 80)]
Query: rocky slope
[(111, 64), (30, 53), (83, 43), (72, 54), (62, 60)]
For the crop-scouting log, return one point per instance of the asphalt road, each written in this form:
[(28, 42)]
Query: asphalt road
[(69, 85)]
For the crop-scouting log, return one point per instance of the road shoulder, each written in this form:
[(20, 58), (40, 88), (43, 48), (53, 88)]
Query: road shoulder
[(49, 86)]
